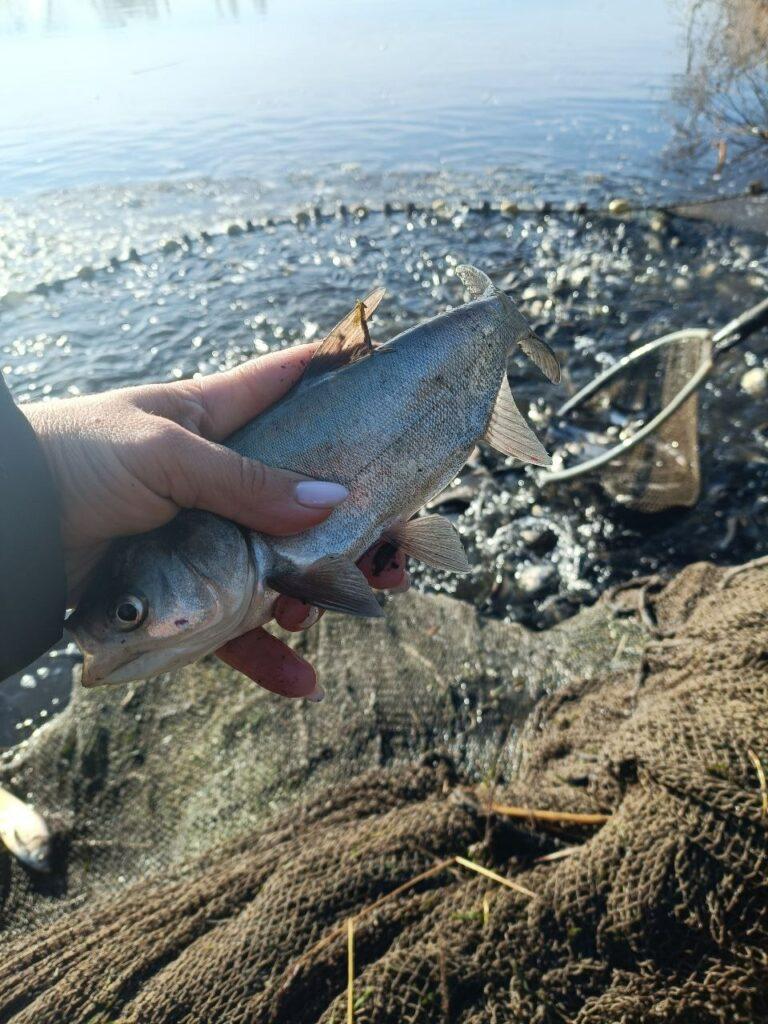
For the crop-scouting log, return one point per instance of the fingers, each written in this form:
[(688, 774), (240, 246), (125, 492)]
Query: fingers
[(207, 476), (273, 665), (234, 397), (295, 615)]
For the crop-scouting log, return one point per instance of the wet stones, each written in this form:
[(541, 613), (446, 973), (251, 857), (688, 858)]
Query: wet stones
[(538, 538), (755, 381), (535, 581), (617, 207)]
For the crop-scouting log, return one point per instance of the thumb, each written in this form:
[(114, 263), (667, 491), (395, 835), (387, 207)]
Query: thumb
[(275, 501)]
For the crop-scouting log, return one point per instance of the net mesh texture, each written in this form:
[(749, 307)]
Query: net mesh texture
[(213, 841)]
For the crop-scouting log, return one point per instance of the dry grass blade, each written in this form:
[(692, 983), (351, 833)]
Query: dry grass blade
[(492, 875), (557, 854), (351, 970), (758, 766), (557, 817)]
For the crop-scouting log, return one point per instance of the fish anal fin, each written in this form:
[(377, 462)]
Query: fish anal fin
[(508, 432), (348, 341), (432, 540), (334, 582)]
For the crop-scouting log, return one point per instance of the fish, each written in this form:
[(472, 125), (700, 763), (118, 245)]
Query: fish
[(24, 832), (393, 422)]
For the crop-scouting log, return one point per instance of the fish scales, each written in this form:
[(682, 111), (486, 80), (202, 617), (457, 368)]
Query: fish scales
[(419, 428)]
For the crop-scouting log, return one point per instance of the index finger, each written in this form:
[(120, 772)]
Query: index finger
[(234, 397)]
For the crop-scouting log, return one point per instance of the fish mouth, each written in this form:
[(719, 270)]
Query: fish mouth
[(105, 670), (104, 667), (106, 662), (95, 672)]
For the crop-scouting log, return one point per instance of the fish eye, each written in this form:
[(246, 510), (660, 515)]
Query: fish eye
[(129, 611)]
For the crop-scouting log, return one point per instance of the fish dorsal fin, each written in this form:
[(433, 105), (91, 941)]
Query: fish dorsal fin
[(432, 540), (541, 355), (334, 582), (508, 432), (348, 341), (475, 281)]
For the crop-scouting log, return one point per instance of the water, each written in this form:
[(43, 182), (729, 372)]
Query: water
[(109, 93), (153, 158)]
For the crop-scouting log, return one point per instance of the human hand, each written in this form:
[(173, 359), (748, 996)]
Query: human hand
[(127, 461)]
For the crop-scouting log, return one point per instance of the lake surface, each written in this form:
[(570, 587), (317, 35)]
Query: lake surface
[(117, 92), (153, 157)]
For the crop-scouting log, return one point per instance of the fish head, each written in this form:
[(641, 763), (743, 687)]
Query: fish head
[(164, 599), (33, 847)]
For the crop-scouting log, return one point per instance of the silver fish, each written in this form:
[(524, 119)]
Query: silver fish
[(394, 423), (24, 832)]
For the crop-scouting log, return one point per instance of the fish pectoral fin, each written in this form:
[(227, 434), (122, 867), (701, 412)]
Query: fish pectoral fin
[(348, 341), (432, 540), (541, 355), (508, 432), (334, 582)]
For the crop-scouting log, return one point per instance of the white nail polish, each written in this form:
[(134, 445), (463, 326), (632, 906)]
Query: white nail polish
[(317, 695), (320, 493)]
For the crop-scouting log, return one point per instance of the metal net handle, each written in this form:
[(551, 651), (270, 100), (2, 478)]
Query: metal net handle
[(694, 382)]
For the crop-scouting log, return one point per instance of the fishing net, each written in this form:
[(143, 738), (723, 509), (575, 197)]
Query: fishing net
[(214, 841), (663, 471)]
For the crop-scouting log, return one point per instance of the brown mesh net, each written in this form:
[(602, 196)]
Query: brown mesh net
[(663, 471), (215, 841)]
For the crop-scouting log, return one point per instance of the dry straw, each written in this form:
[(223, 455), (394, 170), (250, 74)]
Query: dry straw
[(493, 876), (351, 970), (760, 779), (555, 817)]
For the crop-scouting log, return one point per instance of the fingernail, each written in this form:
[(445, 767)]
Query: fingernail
[(320, 493), (312, 616), (317, 695)]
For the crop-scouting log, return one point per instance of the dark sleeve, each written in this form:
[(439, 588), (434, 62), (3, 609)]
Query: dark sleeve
[(32, 582)]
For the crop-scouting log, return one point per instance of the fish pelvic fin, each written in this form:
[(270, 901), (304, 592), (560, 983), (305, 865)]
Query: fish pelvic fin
[(333, 582), (508, 432), (349, 340), (432, 540), (479, 285)]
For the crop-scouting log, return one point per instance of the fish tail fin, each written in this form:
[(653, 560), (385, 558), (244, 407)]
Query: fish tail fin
[(479, 286)]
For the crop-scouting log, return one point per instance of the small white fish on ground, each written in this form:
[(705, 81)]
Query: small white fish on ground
[(24, 832)]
